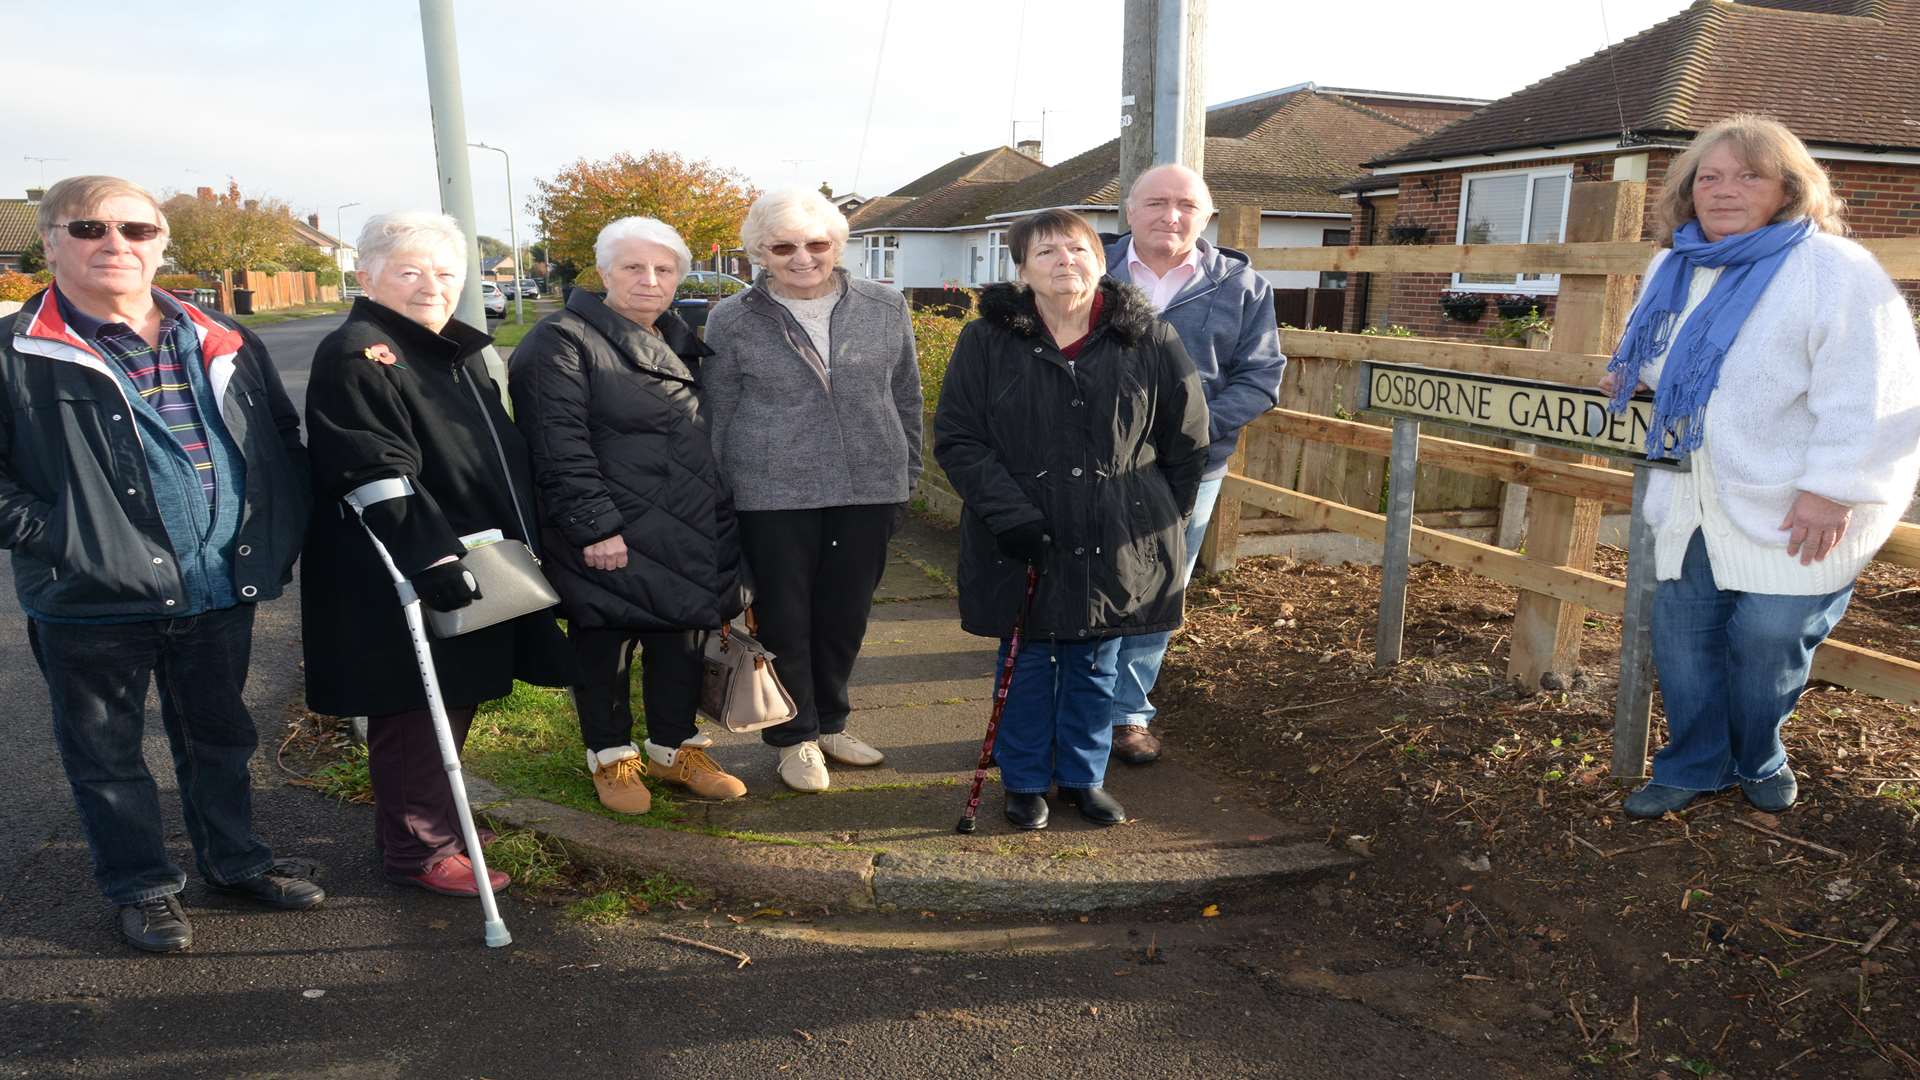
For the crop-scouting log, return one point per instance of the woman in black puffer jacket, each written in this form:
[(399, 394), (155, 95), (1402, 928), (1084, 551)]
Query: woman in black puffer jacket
[(1072, 424), (637, 521)]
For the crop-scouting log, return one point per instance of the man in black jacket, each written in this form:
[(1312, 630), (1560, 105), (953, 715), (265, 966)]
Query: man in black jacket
[(153, 489)]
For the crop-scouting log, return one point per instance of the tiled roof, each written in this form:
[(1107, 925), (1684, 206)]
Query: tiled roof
[(16, 225), (1287, 151), (998, 164), (1840, 73), (874, 209)]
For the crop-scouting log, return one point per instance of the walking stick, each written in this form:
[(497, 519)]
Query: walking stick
[(968, 817), (360, 498)]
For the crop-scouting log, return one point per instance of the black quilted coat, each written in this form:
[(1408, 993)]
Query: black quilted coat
[(620, 446), (1107, 451)]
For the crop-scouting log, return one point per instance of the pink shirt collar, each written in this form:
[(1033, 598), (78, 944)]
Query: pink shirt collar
[(1162, 289)]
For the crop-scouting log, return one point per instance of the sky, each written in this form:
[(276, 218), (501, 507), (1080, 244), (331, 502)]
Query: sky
[(323, 104)]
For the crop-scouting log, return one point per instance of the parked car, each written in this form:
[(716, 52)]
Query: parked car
[(709, 283), (493, 300), (529, 288)]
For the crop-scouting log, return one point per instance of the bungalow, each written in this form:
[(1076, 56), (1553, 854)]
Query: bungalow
[(924, 212), (1286, 152), (1828, 69), (17, 227)]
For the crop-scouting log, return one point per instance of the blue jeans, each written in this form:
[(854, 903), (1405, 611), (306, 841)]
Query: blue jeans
[(1732, 666), (97, 675), (1055, 729), (1142, 654)]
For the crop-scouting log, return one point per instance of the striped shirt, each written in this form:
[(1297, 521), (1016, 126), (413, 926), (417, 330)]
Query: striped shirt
[(156, 374)]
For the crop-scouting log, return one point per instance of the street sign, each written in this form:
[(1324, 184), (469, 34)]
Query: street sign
[(1565, 416)]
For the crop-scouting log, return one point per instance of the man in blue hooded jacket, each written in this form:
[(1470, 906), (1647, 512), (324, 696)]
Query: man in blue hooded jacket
[(1223, 312)]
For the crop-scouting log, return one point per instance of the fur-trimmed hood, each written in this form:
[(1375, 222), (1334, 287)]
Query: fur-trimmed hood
[(1124, 309)]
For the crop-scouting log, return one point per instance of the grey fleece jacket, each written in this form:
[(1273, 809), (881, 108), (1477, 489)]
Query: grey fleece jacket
[(795, 433)]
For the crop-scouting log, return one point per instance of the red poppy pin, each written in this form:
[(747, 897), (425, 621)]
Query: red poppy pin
[(380, 354)]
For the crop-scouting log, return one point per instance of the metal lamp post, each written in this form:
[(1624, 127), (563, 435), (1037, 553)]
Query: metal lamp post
[(513, 233), (340, 245)]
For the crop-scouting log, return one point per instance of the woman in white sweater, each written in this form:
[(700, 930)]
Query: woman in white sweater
[(1785, 371)]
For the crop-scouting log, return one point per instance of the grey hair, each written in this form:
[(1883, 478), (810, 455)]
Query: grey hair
[(384, 235), (795, 210), (649, 230)]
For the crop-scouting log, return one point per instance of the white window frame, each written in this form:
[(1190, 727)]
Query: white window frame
[(996, 251), (881, 256), (1529, 284)]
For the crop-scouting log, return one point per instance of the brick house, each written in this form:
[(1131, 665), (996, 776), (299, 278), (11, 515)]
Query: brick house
[(1842, 74), (1286, 152)]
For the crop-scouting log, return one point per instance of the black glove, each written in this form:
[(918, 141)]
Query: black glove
[(446, 587), (1026, 543)]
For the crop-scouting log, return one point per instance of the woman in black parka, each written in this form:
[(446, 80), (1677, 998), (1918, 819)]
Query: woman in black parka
[(401, 391), (1074, 428), (639, 526)]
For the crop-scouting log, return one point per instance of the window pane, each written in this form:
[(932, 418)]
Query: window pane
[(1496, 209), (1549, 198)]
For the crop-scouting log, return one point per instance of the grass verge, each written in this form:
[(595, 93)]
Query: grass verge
[(304, 311)]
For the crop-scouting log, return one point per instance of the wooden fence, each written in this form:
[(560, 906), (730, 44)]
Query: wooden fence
[(271, 292), (1310, 465)]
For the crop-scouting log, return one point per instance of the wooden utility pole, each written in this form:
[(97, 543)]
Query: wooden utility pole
[(1163, 110), (1589, 316)]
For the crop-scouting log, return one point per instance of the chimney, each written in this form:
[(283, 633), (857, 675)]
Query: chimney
[(313, 222), (35, 194), (1031, 148)]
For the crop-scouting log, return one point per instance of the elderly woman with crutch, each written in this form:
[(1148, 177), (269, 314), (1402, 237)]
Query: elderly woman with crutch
[(1784, 370), (404, 420), (1074, 428), (814, 392), (641, 538)]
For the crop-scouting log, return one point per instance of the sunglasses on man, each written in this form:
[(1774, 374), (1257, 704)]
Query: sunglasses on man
[(817, 247), (93, 230)]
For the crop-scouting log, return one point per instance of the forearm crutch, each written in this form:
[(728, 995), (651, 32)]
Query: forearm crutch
[(968, 818), (360, 498)]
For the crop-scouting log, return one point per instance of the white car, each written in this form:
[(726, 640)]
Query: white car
[(493, 300)]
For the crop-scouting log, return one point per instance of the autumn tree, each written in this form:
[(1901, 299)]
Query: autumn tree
[(227, 230), (704, 202)]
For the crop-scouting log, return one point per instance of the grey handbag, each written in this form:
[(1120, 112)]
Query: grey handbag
[(739, 688), (511, 582)]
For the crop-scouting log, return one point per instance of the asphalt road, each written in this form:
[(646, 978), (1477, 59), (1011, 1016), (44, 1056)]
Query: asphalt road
[(383, 982)]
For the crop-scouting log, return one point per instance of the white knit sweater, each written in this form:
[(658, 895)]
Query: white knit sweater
[(1820, 392)]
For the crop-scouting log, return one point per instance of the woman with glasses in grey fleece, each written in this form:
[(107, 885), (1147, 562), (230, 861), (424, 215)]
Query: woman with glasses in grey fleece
[(814, 394)]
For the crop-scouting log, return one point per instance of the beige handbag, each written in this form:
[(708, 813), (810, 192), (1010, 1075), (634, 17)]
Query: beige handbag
[(740, 689)]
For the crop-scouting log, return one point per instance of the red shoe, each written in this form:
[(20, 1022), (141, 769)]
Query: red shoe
[(452, 876)]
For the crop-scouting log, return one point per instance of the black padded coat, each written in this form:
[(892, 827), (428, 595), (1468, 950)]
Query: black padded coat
[(620, 447), (1106, 450)]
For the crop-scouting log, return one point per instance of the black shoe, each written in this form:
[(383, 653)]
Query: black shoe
[(1096, 805), (276, 890), (156, 925), (1027, 811)]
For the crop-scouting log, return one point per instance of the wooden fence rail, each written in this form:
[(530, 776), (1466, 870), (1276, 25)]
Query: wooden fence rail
[(1900, 257)]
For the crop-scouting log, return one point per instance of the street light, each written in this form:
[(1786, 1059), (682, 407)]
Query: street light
[(513, 233), (339, 246)]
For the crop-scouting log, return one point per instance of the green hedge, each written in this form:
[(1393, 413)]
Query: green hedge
[(934, 337)]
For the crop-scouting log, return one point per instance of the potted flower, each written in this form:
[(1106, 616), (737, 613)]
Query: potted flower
[(1463, 306), (1515, 305)]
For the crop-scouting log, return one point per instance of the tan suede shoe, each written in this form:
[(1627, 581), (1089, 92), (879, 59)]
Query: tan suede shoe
[(621, 784), (694, 770)]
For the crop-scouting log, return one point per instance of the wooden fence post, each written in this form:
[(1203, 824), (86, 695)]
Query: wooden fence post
[(1239, 229), (1589, 316)]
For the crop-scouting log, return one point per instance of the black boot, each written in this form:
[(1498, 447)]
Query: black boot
[(1027, 811), (1096, 805)]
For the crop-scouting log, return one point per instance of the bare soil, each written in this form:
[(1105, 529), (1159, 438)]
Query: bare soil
[(1720, 941)]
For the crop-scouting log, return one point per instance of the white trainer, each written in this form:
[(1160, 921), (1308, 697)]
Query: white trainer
[(802, 767), (844, 749)]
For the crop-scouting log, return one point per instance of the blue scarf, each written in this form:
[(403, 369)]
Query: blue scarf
[(1693, 362)]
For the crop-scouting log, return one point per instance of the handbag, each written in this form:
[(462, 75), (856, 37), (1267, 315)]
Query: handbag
[(511, 581), (739, 688)]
